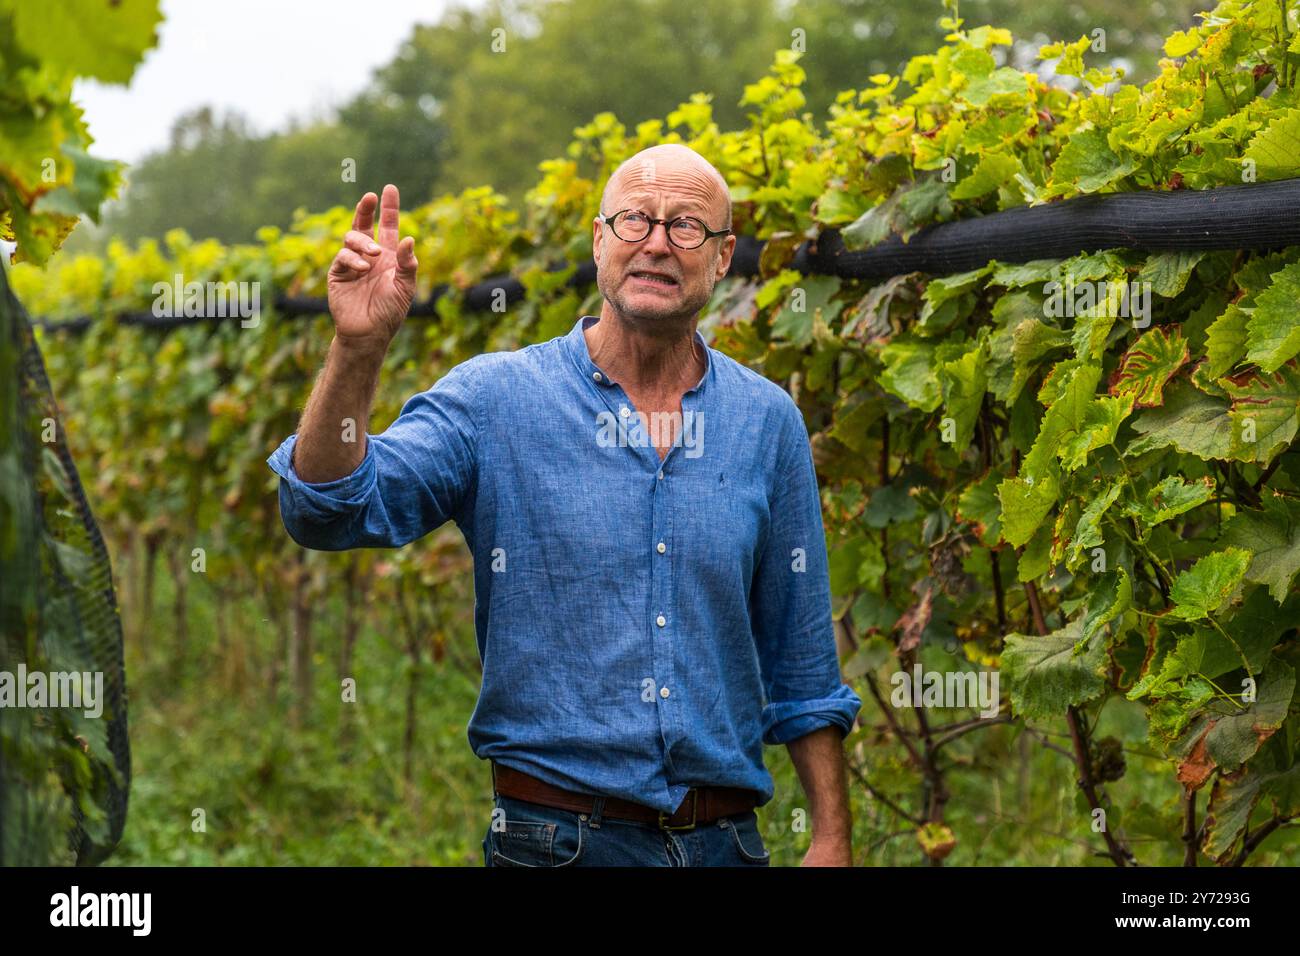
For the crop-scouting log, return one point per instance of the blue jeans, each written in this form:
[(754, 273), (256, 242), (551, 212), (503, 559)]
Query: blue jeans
[(531, 834)]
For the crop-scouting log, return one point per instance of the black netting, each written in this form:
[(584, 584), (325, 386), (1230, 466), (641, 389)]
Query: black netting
[(1253, 216), (64, 775)]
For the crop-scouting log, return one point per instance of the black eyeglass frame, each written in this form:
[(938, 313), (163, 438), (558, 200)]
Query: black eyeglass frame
[(667, 224)]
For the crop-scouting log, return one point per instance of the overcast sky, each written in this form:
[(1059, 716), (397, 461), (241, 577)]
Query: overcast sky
[(269, 59)]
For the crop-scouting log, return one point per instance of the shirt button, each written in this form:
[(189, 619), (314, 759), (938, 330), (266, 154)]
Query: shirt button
[(663, 692), (596, 376), (661, 474), (625, 411), (661, 547), (660, 620)]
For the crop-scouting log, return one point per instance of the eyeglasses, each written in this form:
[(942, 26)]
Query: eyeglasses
[(684, 232)]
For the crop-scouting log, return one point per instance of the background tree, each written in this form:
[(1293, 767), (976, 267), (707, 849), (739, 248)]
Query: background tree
[(460, 105)]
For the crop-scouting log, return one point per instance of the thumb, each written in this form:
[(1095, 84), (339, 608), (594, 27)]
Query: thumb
[(406, 263)]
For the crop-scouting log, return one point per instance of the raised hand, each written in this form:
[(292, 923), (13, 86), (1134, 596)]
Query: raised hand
[(372, 282)]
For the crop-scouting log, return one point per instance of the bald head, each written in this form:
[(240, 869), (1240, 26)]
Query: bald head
[(652, 284), (674, 166)]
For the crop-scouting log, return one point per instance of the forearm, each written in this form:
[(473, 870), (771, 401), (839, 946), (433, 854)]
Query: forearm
[(818, 758), (328, 447)]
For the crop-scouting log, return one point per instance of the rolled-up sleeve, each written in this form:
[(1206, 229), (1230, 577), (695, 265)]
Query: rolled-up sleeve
[(790, 605), (414, 476)]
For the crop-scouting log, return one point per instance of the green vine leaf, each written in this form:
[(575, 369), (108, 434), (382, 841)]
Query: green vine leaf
[(1045, 674), (1208, 584), (1272, 535), (1272, 334), (1144, 369)]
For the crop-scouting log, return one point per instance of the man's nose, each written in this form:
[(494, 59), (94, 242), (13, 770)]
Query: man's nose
[(658, 238)]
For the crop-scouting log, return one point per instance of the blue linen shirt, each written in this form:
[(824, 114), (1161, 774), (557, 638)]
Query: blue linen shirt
[(644, 625)]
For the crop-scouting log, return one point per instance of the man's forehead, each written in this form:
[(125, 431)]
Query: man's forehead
[(645, 196), (648, 170)]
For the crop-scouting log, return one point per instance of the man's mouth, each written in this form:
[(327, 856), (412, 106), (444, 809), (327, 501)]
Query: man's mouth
[(660, 279)]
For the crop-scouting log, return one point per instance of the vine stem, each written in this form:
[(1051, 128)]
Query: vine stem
[(1166, 578), (1245, 663), (1231, 99), (884, 481), (1120, 854), (888, 711), (1266, 474), (1254, 839), (1035, 608), (999, 599), (1286, 56), (936, 792), (961, 729), (866, 784)]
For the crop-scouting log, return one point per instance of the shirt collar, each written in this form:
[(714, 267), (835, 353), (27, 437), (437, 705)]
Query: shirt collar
[(576, 345)]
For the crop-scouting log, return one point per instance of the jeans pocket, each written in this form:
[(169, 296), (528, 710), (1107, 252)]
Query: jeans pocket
[(749, 842), (530, 834)]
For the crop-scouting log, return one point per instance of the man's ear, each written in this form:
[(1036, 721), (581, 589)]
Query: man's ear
[(595, 240), (728, 248)]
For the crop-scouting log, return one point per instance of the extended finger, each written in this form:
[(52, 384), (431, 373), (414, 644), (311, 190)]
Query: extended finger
[(361, 242), (363, 220), (388, 217)]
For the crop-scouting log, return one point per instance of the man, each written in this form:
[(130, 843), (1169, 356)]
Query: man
[(652, 597)]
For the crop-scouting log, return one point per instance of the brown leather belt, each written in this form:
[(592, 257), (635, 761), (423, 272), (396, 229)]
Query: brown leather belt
[(700, 805)]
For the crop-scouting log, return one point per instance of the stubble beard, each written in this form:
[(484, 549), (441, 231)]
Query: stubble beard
[(681, 312)]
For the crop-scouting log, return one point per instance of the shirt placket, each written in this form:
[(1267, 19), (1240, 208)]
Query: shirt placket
[(663, 626), (663, 620)]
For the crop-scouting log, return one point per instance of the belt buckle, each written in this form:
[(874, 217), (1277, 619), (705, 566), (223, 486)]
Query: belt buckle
[(695, 802)]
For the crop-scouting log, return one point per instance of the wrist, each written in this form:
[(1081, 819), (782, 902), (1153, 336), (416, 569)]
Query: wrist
[(370, 350)]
